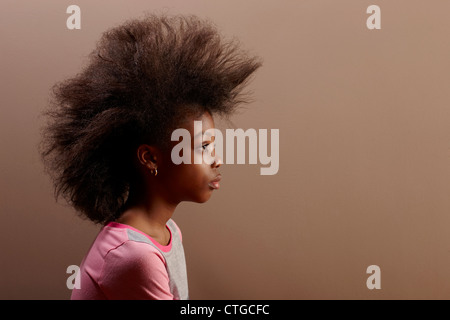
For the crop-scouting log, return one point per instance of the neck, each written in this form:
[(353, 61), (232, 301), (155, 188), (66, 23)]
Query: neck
[(147, 210)]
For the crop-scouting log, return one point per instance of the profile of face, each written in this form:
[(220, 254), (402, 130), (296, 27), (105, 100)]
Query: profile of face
[(188, 181)]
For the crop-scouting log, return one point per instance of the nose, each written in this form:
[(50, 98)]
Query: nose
[(217, 162)]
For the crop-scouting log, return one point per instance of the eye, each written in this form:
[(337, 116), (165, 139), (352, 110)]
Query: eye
[(209, 145), (205, 146)]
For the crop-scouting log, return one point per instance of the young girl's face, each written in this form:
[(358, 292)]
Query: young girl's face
[(191, 181)]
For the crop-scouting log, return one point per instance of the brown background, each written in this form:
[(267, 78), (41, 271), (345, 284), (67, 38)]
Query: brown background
[(364, 177)]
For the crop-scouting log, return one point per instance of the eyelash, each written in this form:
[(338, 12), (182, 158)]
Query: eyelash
[(206, 145)]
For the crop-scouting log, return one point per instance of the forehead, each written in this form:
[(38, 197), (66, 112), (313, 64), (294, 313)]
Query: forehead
[(193, 125)]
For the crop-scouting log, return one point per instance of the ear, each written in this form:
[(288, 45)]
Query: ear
[(147, 156)]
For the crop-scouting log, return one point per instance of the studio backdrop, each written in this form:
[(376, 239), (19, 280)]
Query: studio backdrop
[(354, 98)]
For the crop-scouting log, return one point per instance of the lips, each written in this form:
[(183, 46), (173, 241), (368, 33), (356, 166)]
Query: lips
[(214, 184)]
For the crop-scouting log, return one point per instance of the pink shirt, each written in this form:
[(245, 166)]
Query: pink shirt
[(125, 263)]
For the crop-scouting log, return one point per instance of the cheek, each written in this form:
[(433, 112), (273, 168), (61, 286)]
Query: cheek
[(195, 175), (188, 176), (192, 183)]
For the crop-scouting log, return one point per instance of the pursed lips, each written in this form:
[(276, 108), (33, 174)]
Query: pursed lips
[(215, 183)]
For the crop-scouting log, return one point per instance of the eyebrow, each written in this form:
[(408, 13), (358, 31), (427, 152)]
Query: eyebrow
[(201, 134)]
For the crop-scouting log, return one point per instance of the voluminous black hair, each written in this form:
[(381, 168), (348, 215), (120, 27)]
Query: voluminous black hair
[(143, 78)]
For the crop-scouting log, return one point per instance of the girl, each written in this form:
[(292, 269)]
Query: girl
[(108, 146)]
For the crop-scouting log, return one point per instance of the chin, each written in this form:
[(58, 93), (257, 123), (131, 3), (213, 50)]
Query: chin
[(202, 198)]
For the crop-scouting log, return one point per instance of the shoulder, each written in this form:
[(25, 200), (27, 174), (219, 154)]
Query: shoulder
[(132, 262), (135, 270), (134, 253)]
